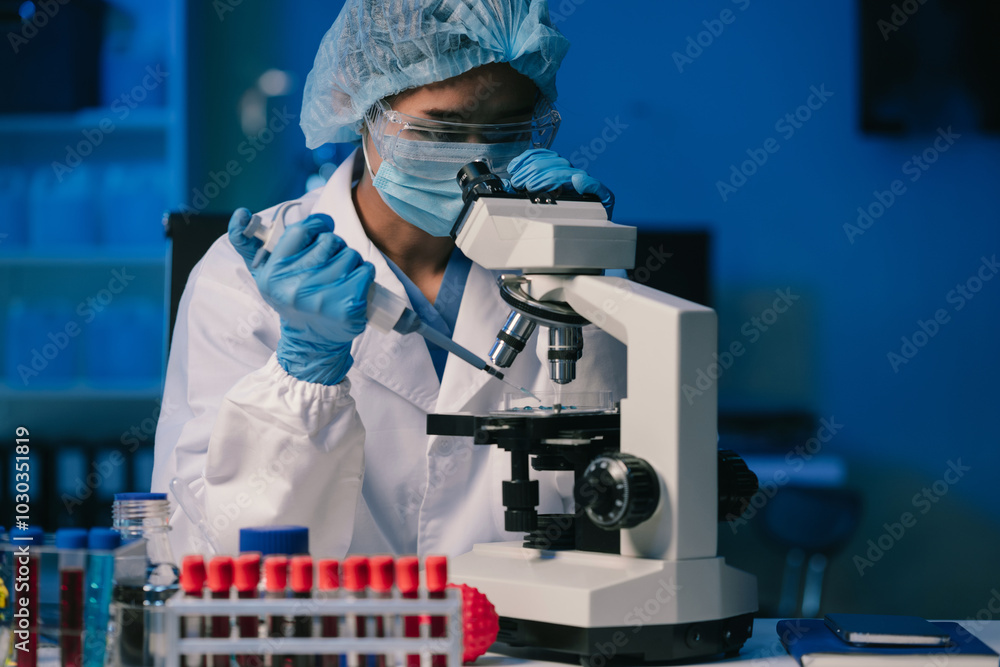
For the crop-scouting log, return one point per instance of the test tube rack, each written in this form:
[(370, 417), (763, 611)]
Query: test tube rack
[(395, 648)]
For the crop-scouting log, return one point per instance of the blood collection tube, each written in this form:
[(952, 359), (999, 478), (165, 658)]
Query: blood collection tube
[(408, 583), (72, 543), (26, 570), (97, 601), (193, 575), (328, 586), (246, 579), (302, 585), (436, 576), (381, 585), (275, 585), (356, 577), (220, 581)]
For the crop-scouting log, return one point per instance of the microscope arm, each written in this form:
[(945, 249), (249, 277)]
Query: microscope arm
[(668, 417)]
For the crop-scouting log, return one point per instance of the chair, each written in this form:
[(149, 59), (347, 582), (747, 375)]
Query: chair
[(190, 238)]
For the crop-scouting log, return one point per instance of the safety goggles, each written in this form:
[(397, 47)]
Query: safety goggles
[(421, 147)]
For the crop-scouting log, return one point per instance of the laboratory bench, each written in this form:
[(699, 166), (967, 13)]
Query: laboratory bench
[(763, 648)]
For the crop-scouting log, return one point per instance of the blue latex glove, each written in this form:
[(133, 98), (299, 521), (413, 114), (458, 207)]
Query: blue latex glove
[(541, 170), (319, 288)]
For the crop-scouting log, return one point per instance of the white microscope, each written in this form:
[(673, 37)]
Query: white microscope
[(633, 575)]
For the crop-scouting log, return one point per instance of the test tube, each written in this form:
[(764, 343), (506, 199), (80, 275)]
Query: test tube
[(220, 580), (381, 585), (193, 577), (356, 577), (408, 583), (246, 579), (275, 583), (436, 576), (101, 542), (26, 605), (328, 585), (301, 585), (71, 543)]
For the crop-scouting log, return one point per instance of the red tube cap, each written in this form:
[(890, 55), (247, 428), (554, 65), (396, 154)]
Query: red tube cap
[(329, 574), (276, 573), (436, 573), (356, 573), (302, 574), (382, 573), (247, 574), (193, 574), (408, 574), (220, 574)]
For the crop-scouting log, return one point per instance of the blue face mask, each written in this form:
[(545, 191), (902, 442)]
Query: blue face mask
[(433, 200)]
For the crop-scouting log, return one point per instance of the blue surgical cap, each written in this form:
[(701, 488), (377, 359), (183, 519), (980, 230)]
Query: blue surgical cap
[(378, 48)]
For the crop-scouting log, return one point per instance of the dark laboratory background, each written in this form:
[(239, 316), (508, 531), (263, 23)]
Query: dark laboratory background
[(823, 174)]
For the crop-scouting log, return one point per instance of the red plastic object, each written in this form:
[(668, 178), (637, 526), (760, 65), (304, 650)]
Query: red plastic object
[(381, 568), (436, 573), (247, 574), (480, 623), (329, 574), (302, 574), (356, 573), (220, 574), (408, 574), (193, 574), (276, 573)]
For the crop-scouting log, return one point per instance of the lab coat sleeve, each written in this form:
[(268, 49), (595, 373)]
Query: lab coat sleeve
[(254, 445)]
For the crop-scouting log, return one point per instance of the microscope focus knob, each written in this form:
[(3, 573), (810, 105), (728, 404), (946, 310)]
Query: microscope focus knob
[(618, 491), (737, 485)]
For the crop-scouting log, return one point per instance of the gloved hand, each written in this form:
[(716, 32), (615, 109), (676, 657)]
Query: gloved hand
[(319, 288), (541, 170)]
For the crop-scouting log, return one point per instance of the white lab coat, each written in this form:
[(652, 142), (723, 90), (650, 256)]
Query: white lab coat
[(352, 461)]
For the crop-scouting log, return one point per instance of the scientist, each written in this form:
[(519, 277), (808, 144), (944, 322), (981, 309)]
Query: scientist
[(280, 406)]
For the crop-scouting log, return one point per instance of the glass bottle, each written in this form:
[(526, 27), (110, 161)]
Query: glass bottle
[(138, 635)]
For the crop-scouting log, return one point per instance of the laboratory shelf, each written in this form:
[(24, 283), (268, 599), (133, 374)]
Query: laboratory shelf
[(158, 119), (81, 412), (84, 256)]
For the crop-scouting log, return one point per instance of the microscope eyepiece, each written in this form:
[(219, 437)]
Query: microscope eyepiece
[(476, 178)]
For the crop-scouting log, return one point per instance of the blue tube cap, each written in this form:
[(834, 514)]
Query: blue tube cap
[(71, 538), (103, 539), (29, 535), (270, 540), (140, 496)]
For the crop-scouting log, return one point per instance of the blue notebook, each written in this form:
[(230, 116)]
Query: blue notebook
[(814, 645)]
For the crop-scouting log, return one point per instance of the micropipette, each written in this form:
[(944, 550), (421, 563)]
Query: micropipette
[(386, 311), (389, 312)]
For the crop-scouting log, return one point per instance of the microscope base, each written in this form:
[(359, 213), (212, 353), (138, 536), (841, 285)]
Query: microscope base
[(606, 605), (629, 644)]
